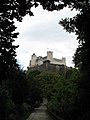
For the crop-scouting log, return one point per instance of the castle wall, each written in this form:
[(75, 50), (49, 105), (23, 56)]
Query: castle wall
[(57, 61), (37, 61), (47, 66)]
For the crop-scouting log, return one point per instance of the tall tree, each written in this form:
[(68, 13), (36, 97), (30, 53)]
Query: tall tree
[(8, 63), (7, 49), (34, 91), (81, 26)]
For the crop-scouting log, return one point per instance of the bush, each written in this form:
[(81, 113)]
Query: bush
[(26, 109)]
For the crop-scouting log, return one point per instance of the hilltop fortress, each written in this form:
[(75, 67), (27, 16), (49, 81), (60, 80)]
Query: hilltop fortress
[(47, 63), (37, 61)]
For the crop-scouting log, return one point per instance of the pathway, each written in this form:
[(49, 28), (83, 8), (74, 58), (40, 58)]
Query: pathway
[(40, 114)]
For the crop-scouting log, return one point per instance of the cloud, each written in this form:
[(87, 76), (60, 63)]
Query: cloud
[(41, 33)]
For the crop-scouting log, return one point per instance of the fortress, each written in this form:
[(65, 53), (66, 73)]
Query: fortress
[(47, 63), (37, 61)]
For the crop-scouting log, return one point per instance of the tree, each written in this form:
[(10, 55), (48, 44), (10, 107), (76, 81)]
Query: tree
[(18, 87), (34, 91), (47, 80), (6, 104), (65, 100), (80, 25), (10, 10), (8, 64), (9, 69), (7, 49)]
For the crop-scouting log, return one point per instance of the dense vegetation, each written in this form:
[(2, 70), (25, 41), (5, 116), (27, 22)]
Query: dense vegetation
[(13, 84), (74, 90), (34, 92), (61, 92)]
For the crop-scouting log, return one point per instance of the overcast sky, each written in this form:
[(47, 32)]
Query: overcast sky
[(41, 33)]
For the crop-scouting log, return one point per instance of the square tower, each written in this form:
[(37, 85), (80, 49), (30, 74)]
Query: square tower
[(49, 55)]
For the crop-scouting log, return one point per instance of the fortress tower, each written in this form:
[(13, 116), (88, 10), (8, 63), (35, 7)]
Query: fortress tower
[(49, 55), (33, 60)]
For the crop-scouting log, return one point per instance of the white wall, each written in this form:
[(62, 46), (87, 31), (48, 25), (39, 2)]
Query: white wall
[(39, 61)]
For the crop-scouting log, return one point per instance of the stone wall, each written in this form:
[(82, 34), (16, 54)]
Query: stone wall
[(47, 66)]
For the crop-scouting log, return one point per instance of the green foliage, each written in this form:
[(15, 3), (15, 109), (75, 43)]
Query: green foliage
[(13, 87), (7, 49), (47, 81), (18, 87), (65, 98), (62, 93), (6, 104), (31, 74), (81, 26), (26, 109), (12, 94), (34, 94)]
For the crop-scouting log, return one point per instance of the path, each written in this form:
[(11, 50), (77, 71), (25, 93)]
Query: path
[(40, 114)]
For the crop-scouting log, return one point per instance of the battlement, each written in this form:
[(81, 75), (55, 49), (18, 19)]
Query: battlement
[(37, 61)]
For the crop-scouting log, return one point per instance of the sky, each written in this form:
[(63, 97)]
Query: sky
[(41, 33)]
